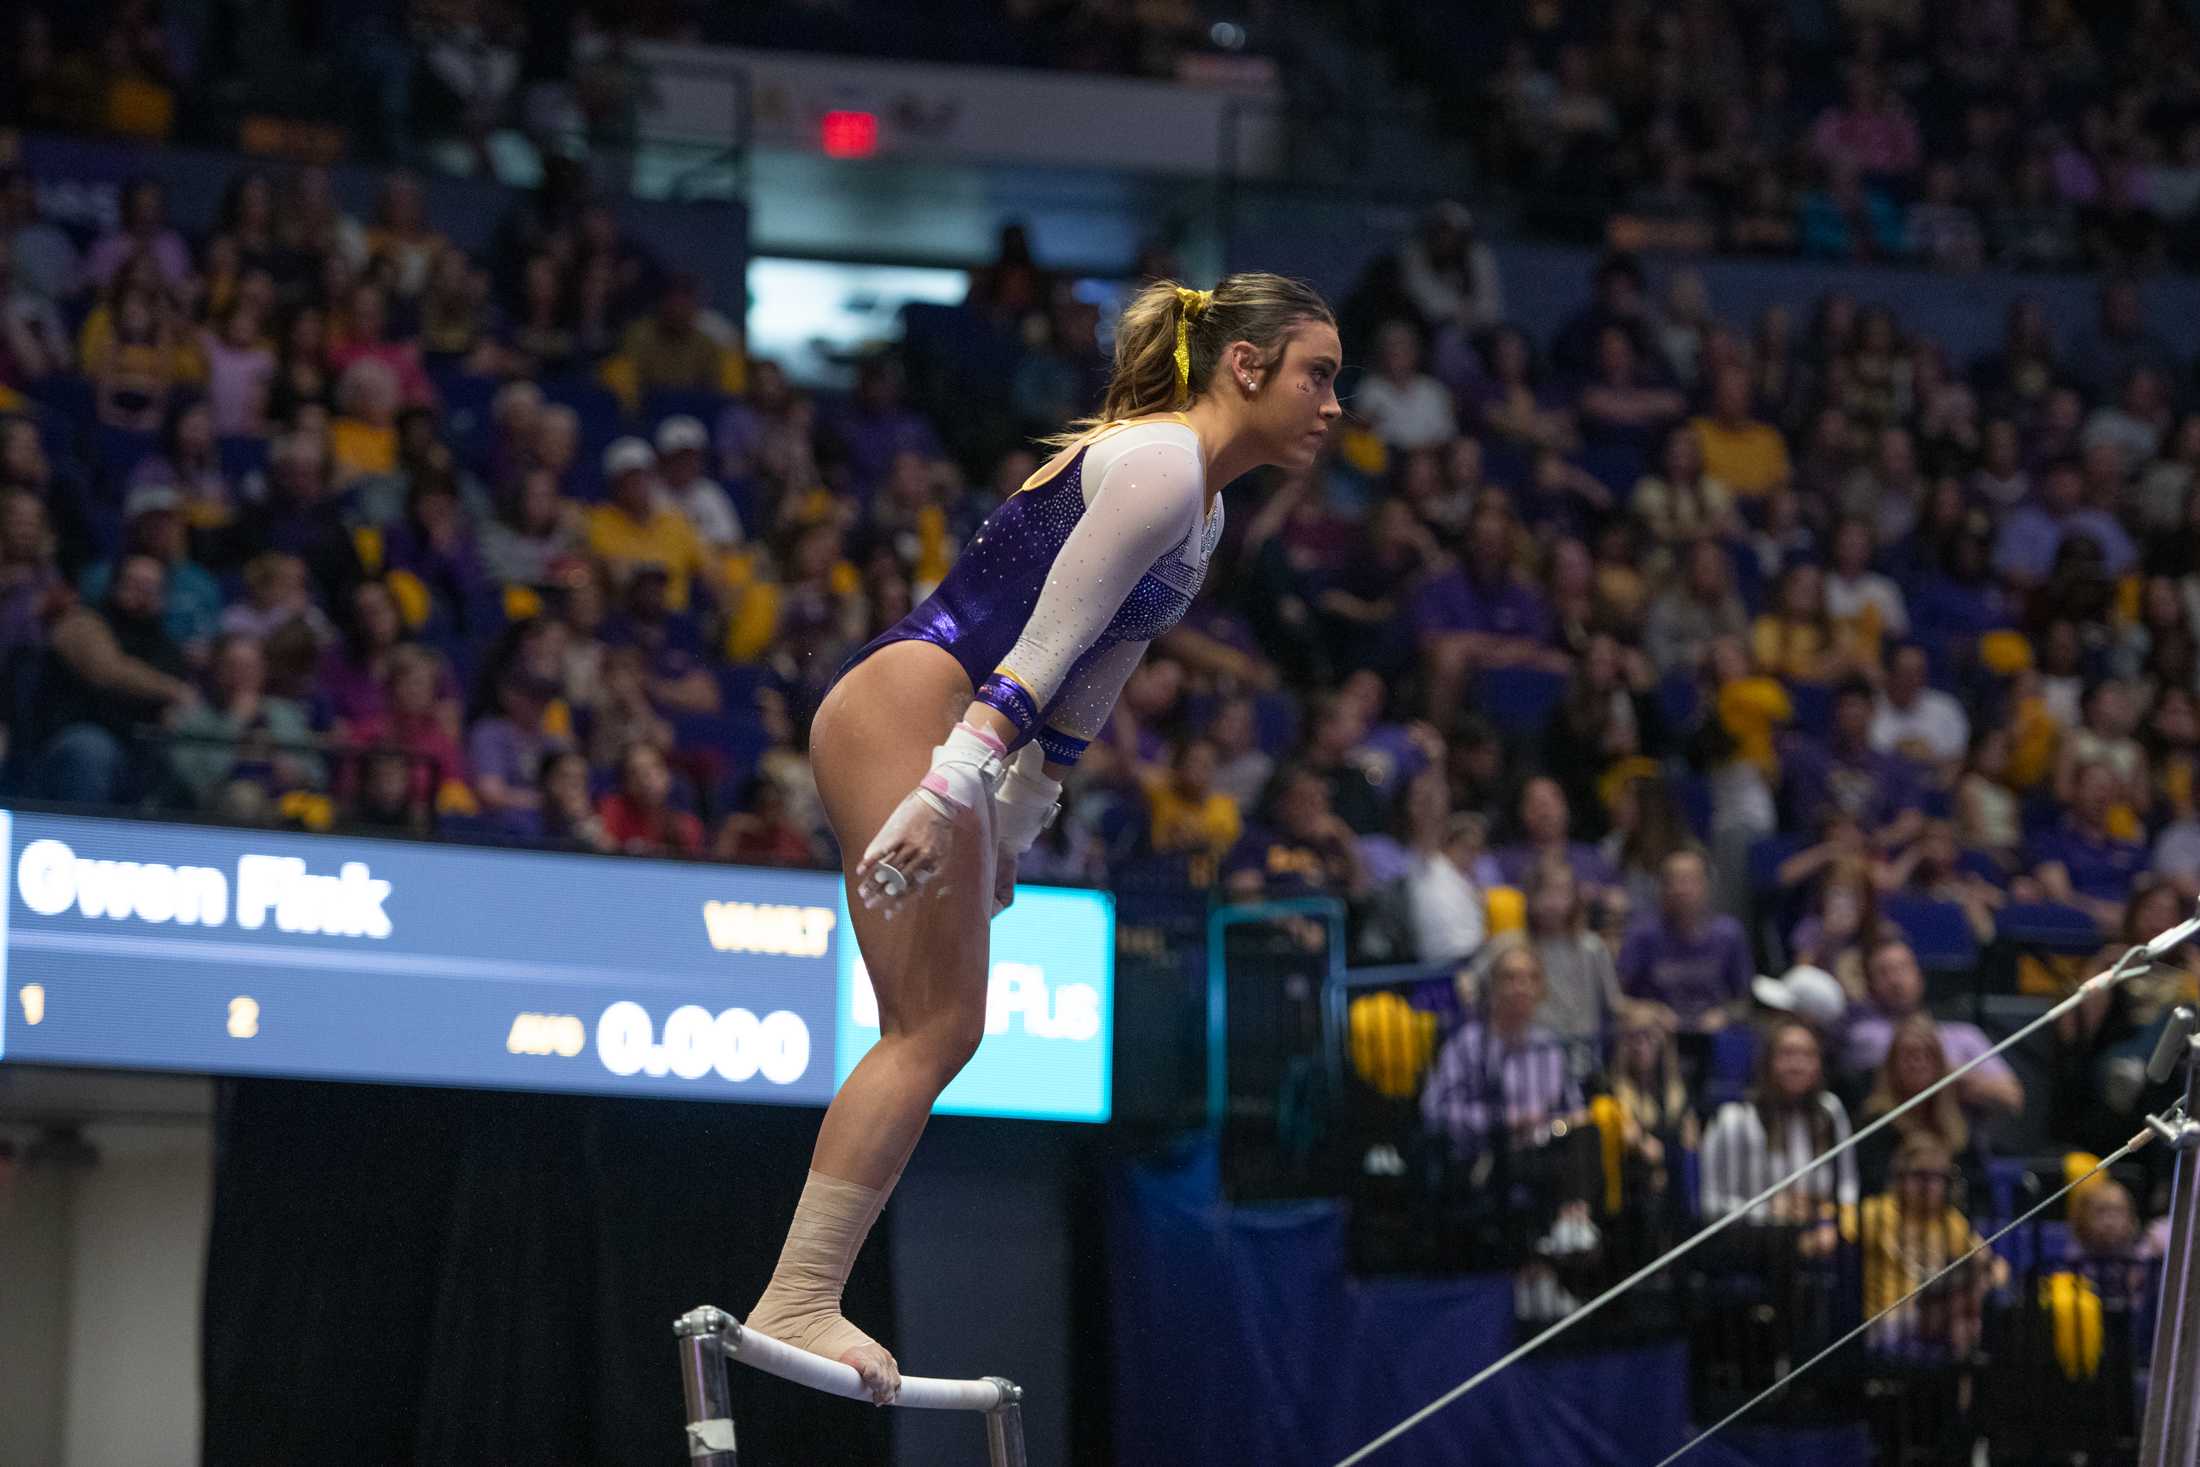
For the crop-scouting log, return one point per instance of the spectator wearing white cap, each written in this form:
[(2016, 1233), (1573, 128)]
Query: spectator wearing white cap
[(1807, 993), (681, 445), (638, 529)]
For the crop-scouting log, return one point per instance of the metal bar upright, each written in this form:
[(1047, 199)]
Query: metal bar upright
[(2172, 1435), (1004, 1427), (700, 1334)]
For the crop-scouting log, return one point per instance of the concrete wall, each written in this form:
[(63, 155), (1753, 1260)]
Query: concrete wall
[(100, 1270)]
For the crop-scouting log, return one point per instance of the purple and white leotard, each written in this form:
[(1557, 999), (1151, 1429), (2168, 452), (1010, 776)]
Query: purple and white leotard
[(1053, 601)]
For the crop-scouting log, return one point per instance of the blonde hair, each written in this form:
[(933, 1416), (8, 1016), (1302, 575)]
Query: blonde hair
[(1940, 1118), (1171, 336), (1659, 1099), (1917, 1150)]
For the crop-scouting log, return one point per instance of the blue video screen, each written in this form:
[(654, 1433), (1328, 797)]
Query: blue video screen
[(146, 945)]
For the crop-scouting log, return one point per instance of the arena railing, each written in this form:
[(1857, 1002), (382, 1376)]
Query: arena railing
[(1270, 968)]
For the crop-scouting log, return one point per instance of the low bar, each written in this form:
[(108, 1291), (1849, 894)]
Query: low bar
[(709, 1337), (2172, 1430)]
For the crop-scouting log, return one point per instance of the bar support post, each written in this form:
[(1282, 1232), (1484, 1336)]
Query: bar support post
[(701, 1334), (2172, 1436), (1004, 1426)]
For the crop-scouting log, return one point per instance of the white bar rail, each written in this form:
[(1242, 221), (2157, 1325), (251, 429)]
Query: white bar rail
[(708, 1337)]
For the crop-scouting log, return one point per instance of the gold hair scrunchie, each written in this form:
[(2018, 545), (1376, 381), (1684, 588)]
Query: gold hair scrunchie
[(1190, 303)]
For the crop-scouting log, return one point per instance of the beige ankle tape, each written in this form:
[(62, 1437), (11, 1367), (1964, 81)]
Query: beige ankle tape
[(801, 1305)]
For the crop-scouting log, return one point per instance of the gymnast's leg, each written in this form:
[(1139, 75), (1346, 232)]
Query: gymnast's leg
[(870, 745)]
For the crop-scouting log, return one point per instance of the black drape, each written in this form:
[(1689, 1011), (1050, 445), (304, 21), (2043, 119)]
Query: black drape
[(399, 1276)]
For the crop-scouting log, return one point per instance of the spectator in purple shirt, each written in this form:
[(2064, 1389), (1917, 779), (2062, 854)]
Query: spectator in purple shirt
[(1481, 614), (2120, 343), (2080, 862), (31, 588), (144, 231), (353, 677), (670, 642), (1691, 960), (1339, 724), (1545, 825), (506, 747), (299, 515), (1391, 752), (2032, 534), (1502, 1079), (435, 542), (878, 427), (1846, 776), (1959, 600), (1895, 988), (1303, 849)]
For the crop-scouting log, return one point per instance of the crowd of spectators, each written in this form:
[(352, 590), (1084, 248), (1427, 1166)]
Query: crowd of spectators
[(322, 521), (1675, 650), (2040, 134), (404, 80)]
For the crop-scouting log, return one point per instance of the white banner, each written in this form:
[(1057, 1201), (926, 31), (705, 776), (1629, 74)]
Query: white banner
[(962, 113)]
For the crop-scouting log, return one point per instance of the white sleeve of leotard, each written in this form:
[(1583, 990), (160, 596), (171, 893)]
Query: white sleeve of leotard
[(1081, 712), (1143, 498)]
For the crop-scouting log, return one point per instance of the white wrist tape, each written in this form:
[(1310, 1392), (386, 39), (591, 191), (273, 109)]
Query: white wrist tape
[(965, 770), (1026, 801)]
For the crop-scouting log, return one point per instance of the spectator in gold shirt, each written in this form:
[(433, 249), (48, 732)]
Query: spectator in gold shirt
[(1186, 811), (1742, 452), (636, 528), (670, 349)]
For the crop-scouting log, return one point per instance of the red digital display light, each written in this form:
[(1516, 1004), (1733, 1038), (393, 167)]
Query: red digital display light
[(849, 134)]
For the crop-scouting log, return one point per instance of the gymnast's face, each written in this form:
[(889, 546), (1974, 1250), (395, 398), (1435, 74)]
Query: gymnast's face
[(1293, 404)]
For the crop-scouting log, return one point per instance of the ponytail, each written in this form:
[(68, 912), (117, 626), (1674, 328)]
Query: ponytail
[(1170, 338)]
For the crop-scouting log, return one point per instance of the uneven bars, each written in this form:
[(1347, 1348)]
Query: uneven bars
[(918, 1392), (710, 1429)]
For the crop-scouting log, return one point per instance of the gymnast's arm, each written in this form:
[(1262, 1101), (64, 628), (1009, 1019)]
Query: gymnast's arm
[(1147, 502), (1144, 503), (1080, 714)]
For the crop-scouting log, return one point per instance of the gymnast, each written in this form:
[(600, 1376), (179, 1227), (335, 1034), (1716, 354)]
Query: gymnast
[(940, 747)]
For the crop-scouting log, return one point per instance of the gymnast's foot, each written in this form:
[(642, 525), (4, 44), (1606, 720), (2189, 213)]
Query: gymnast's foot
[(801, 1305), (881, 1376), (828, 1333)]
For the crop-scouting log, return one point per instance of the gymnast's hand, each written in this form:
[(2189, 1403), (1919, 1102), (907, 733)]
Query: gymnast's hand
[(1023, 805), (913, 846), (907, 853)]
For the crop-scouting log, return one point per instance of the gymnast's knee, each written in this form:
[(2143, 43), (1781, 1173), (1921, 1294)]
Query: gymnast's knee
[(944, 1043)]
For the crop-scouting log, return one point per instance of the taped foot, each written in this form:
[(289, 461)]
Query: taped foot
[(832, 1336), (881, 1375), (801, 1305)]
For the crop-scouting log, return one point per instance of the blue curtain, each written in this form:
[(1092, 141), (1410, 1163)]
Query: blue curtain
[(1238, 1336)]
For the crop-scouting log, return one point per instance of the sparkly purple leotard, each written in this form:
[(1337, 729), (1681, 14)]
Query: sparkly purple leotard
[(1052, 603)]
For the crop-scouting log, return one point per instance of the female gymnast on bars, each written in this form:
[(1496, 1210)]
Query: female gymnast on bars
[(940, 748)]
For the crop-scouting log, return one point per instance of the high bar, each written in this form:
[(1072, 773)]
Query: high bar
[(918, 1392)]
